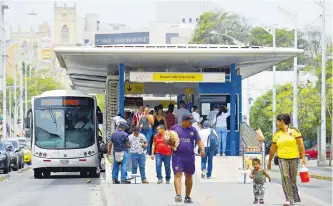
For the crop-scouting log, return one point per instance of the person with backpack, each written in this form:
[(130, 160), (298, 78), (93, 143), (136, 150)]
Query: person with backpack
[(209, 137), (146, 122)]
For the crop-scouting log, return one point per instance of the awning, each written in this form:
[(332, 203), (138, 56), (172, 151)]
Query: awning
[(88, 67)]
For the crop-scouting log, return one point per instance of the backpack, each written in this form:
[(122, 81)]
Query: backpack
[(212, 142), (144, 124)]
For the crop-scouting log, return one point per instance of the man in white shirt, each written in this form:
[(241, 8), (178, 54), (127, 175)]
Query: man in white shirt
[(181, 111), (204, 134), (84, 124), (211, 115)]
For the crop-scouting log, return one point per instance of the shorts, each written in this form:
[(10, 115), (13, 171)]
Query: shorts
[(183, 163)]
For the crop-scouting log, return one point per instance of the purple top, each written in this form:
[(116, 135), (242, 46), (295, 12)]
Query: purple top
[(187, 139)]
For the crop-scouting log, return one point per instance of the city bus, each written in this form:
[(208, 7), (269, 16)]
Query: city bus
[(63, 126)]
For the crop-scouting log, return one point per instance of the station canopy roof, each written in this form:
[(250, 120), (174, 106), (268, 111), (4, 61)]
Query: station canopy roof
[(88, 67)]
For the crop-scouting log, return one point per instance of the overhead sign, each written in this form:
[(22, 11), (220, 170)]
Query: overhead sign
[(134, 88), (189, 91), (133, 101), (177, 77)]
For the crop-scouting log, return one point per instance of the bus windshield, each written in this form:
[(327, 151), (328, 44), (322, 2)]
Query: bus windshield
[(66, 127)]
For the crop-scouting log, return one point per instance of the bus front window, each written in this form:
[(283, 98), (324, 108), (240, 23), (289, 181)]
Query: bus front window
[(49, 128)]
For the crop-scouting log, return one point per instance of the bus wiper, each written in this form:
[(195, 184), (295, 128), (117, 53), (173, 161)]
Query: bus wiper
[(52, 115)]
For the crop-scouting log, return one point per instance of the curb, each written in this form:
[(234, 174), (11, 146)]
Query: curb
[(314, 176), (6, 176), (103, 195)]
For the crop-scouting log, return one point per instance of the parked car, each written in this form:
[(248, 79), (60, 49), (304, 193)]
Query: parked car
[(25, 150), (4, 158), (17, 152), (313, 152)]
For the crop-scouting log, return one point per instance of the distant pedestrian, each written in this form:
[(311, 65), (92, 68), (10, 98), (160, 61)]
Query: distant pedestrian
[(138, 143), (183, 159), (288, 143), (162, 153), (259, 178), (170, 118), (181, 111), (210, 140), (120, 142), (220, 121)]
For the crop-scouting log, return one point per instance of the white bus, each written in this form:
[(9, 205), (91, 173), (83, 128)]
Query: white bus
[(63, 127)]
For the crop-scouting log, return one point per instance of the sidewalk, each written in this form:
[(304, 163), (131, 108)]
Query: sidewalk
[(212, 192)]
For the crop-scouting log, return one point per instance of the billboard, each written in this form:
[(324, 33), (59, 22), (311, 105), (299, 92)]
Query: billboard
[(122, 38)]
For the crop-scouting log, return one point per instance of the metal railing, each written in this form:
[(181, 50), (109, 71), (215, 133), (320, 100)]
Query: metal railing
[(247, 136)]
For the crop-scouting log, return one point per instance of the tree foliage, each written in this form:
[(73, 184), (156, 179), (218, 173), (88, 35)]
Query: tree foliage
[(309, 106)]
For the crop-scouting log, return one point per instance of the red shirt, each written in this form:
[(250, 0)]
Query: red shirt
[(160, 146), (170, 118)]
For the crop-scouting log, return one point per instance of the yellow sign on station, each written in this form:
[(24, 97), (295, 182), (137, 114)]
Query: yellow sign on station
[(177, 77), (134, 88)]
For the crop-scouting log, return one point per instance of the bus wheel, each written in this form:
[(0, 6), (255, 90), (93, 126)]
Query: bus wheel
[(46, 173), (37, 173)]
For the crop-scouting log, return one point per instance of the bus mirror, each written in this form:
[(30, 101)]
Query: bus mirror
[(27, 119), (99, 115)]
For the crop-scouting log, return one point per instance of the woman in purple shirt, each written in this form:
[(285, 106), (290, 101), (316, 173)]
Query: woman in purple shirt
[(183, 159)]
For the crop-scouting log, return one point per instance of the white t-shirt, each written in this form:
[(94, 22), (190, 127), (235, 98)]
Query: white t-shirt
[(118, 119), (204, 134), (221, 121), (197, 118), (180, 113)]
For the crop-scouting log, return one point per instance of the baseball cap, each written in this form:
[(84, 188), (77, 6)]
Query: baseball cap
[(122, 125), (205, 124), (136, 129), (188, 117)]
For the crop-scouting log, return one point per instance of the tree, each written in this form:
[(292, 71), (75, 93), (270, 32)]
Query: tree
[(225, 24), (101, 101)]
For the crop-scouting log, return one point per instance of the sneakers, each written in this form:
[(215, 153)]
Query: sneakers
[(286, 203), (159, 181), (114, 181), (188, 200), (261, 202), (255, 201), (125, 182), (167, 182), (178, 198), (203, 174), (145, 182)]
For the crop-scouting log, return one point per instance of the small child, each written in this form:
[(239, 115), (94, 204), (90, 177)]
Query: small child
[(259, 178)]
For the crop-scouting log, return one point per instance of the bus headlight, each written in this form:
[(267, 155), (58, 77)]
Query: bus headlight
[(89, 153), (40, 154), (44, 155), (85, 153)]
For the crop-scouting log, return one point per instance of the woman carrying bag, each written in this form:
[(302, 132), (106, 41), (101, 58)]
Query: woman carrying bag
[(288, 144)]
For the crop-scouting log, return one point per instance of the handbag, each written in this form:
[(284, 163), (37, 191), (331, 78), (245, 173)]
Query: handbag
[(119, 156)]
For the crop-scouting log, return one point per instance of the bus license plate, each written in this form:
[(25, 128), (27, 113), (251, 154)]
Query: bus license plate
[(64, 162)]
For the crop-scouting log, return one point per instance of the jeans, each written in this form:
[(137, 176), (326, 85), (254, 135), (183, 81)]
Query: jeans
[(222, 134), (166, 159), (148, 134), (209, 156), (123, 168), (139, 159)]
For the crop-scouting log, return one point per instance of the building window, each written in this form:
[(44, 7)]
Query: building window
[(35, 51), (190, 20), (183, 20), (64, 34)]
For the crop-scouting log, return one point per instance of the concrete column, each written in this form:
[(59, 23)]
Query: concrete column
[(233, 109)]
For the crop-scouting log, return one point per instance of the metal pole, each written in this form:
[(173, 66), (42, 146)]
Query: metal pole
[(21, 93), (274, 86), (15, 95), (3, 65), (322, 156), (295, 106), (26, 92), (10, 111)]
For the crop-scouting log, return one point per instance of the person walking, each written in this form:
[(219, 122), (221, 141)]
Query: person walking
[(120, 142), (180, 112), (259, 176), (138, 143), (211, 115), (288, 143), (210, 140), (183, 159), (145, 124), (220, 121), (162, 153), (170, 118)]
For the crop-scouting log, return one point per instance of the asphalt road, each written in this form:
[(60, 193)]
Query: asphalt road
[(21, 189)]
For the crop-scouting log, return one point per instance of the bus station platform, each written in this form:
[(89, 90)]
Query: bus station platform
[(212, 192)]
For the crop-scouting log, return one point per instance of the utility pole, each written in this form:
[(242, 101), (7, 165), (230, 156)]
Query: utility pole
[(322, 156), (274, 85), (3, 67)]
